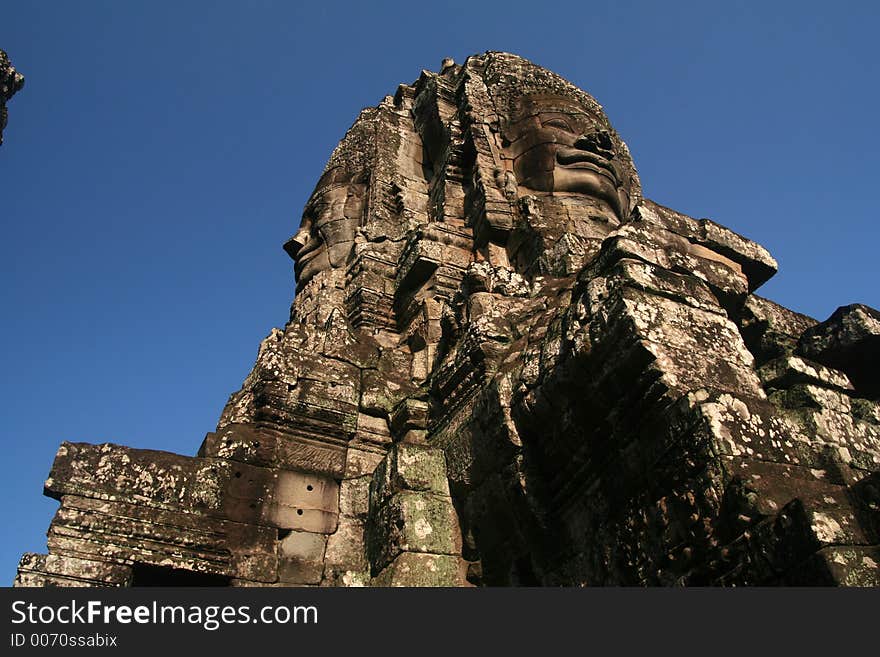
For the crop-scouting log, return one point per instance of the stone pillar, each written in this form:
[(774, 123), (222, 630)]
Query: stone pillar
[(413, 538)]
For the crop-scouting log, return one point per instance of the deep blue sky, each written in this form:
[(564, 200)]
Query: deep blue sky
[(161, 152)]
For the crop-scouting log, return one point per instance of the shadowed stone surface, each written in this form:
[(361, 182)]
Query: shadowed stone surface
[(849, 340), (504, 366)]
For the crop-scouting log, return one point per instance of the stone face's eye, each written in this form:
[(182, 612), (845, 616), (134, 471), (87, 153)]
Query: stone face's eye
[(557, 123)]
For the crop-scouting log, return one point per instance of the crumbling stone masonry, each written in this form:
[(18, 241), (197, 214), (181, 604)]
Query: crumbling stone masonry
[(11, 81), (504, 366)]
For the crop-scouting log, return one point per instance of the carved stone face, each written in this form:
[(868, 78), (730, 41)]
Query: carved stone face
[(559, 146), (327, 232)]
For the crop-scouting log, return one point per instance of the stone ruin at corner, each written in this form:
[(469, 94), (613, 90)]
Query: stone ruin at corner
[(504, 366), (11, 81)]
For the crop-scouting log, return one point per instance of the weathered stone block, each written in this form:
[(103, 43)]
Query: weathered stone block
[(306, 502), (409, 414), (412, 522), (373, 429), (362, 460), (786, 371), (409, 467), (354, 497), (412, 569), (186, 541), (240, 442), (770, 330), (51, 569), (839, 566), (301, 558), (310, 454), (756, 262), (345, 561), (849, 340)]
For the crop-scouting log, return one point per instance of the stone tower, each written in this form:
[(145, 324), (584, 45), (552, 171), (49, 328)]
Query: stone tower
[(504, 366)]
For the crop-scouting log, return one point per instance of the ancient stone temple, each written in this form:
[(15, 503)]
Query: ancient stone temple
[(504, 366), (11, 81)]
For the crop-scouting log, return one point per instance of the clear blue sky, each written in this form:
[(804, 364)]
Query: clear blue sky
[(161, 152)]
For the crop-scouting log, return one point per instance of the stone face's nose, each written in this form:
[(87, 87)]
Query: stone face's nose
[(302, 235), (598, 142), (295, 244)]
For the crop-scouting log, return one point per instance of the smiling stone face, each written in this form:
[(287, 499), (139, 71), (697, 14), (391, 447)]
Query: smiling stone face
[(561, 147), (329, 224)]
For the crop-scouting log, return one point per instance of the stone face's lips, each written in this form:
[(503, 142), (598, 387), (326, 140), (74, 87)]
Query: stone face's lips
[(305, 254), (575, 158), (308, 248)]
